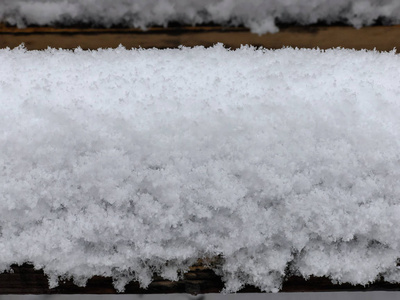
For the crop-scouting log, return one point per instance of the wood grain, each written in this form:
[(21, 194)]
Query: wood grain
[(383, 38)]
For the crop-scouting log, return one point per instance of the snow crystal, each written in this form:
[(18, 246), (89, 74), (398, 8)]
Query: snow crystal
[(259, 15), (123, 163)]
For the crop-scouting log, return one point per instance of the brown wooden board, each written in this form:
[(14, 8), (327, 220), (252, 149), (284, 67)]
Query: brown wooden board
[(383, 38), (199, 280)]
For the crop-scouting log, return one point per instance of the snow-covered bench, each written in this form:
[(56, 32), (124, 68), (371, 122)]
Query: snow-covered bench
[(146, 23)]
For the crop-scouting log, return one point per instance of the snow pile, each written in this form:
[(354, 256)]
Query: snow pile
[(127, 162), (259, 15)]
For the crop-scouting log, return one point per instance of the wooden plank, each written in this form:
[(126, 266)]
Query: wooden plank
[(383, 38), (199, 280)]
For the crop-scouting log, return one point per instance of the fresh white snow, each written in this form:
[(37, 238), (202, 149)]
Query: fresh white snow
[(258, 15), (115, 162)]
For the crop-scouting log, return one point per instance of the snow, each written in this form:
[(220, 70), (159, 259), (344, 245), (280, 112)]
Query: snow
[(260, 16), (127, 162)]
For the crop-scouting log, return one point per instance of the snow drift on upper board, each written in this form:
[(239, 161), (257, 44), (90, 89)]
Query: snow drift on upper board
[(258, 15), (115, 162)]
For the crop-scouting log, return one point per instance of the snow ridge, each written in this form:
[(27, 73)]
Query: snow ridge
[(258, 15), (115, 162)]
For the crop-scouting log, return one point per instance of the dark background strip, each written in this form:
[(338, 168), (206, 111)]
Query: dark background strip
[(199, 280)]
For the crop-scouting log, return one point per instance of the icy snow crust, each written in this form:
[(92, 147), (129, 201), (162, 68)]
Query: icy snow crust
[(127, 162), (259, 15)]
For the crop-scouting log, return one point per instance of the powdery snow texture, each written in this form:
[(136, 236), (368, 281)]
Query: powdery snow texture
[(127, 162), (258, 15)]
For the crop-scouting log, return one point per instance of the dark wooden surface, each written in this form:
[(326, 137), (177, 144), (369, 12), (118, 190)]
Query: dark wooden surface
[(199, 280), (383, 38)]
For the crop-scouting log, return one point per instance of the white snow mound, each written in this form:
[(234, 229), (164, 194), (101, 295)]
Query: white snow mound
[(127, 162), (258, 15)]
